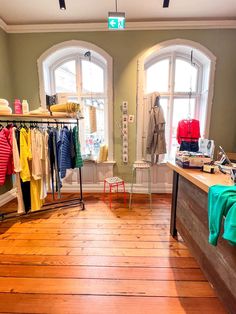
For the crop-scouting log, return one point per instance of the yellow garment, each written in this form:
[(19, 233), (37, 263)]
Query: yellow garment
[(68, 107), (35, 190), (103, 153), (25, 155)]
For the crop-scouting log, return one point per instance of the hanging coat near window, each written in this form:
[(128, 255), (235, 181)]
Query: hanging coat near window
[(156, 143)]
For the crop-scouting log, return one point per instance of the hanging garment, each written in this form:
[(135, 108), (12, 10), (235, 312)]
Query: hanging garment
[(36, 184), (53, 148), (25, 155), (10, 166), (5, 155), (156, 143), (65, 152), (35, 190), (47, 161), (78, 157), (72, 150), (43, 191), (25, 158), (17, 170), (36, 147), (188, 130)]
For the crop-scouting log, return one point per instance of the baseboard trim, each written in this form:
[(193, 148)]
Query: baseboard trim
[(7, 197), (137, 188)]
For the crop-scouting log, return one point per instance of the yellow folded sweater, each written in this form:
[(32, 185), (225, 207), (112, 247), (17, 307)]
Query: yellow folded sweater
[(69, 107)]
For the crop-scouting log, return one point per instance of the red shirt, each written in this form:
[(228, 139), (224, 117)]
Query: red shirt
[(6, 161), (188, 130)]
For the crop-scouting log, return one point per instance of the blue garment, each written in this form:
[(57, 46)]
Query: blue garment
[(189, 146), (54, 159), (65, 160)]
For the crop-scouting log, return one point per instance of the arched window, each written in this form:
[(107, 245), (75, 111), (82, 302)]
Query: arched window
[(81, 72), (182, 72)]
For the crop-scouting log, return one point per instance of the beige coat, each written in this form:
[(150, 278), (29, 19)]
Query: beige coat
[(156, 143)]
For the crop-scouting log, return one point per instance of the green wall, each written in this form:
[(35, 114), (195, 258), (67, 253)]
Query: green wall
[(125, 47), (5, 85), (5, 75)]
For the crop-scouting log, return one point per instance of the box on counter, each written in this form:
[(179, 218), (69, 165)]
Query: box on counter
[(186, 159)]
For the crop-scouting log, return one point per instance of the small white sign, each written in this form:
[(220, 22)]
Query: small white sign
[(131, 118)]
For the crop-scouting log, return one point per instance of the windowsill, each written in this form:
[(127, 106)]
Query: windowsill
[(109, 162), (162, 163)]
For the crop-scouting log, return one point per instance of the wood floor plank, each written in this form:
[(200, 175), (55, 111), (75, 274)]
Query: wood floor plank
[(89, 225), (93, 244), (112, 261), (92, 222), (136, 273), (93, 251), (107, 287), (87, 237), (74, 304), (163, 230)]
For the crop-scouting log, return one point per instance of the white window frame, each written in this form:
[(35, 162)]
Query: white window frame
[(206, 66), (69, 50)]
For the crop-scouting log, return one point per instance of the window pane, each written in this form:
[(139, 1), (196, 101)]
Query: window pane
[(157, 77), (92, 77), (65, 77), (164, 105), (182, 110), (185, 76), (92, 138)]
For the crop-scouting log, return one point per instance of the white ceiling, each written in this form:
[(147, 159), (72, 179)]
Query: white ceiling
[(14, 12)]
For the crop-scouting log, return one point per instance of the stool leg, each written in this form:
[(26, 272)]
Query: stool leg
[(149, 187), (110, 191), (131, 191), (124, 193), (104, 190)]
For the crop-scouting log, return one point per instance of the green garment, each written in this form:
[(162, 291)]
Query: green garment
[(78, 157), (230, 225), (220, 201)]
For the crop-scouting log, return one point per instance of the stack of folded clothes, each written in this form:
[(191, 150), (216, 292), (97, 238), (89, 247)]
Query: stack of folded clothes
[(40, 111), (186, 159), (4, 107), (69, 108)]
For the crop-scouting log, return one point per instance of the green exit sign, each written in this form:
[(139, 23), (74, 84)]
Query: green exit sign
[(116, 20)]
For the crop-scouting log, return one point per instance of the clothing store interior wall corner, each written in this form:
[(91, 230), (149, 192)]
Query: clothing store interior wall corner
[(19, 77)]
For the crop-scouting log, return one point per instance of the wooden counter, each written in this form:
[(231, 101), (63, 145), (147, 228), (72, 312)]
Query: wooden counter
[(201, 179), (189, 218)]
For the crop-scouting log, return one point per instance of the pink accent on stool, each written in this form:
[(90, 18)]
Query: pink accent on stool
[(113, 182)]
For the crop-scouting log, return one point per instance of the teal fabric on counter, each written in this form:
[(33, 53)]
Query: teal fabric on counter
[(230, 225), (220, 201)]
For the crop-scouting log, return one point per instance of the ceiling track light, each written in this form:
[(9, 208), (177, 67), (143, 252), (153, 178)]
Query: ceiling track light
[(166, 3), (62, 4)]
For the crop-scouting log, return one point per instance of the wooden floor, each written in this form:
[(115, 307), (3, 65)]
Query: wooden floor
[(100, 260)]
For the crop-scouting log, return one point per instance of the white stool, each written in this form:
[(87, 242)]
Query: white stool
[(142, 166)]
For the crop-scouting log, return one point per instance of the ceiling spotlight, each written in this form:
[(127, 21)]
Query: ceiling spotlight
[(62, 4), (166, 3)]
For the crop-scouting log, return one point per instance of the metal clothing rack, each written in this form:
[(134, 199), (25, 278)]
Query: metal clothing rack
[(52, 205)]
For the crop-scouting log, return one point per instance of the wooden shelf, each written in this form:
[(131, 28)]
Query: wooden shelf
[(18, 116)]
